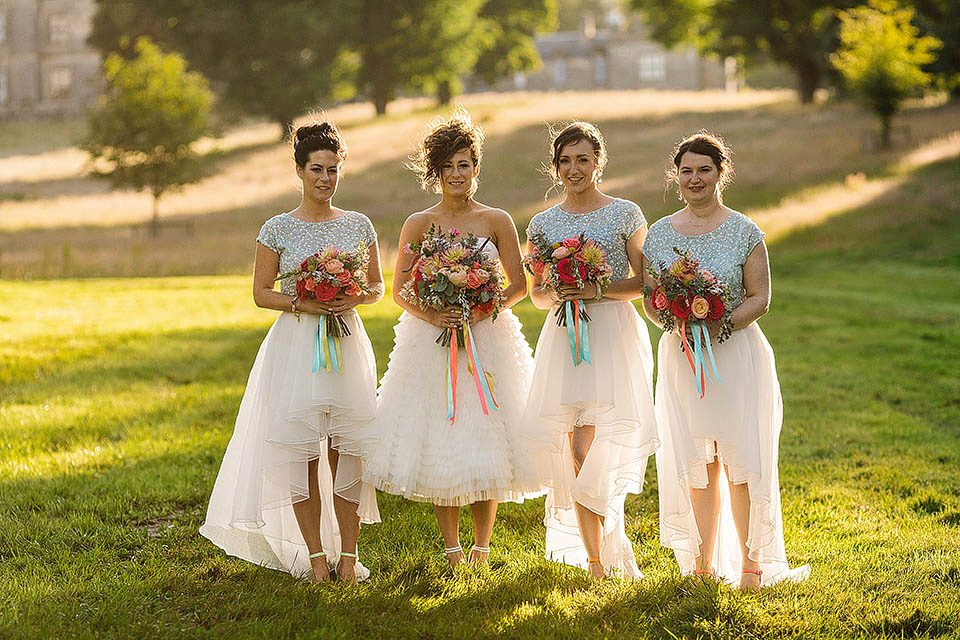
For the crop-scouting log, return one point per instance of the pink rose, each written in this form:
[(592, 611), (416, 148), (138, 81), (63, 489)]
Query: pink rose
[(344, 276), (699, 307), (571, 243), (333, 266), (353, 289), (561, 252), (310, 284), (473, 280), (660, 301)]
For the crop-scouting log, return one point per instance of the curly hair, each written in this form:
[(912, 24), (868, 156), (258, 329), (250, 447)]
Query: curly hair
[(445, 137), (704, 143), (317, 136), (572, 134)]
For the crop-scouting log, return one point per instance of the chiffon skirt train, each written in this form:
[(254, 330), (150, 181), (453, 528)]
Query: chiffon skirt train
[(738, 420), (419, 454), (614, 394), (287, 417)]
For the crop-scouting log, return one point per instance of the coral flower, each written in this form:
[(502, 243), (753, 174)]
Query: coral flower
[(659, 299), (699, 307), (560, 253)]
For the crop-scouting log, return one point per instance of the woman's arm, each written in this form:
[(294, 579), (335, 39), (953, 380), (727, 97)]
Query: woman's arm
[(756, 287), (413, 229), (266, 266), (504, 234), (542, 298), (649, 281), (626, 289)]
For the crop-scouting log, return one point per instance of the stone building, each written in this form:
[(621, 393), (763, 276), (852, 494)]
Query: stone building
[(46, 66), (621, 56)]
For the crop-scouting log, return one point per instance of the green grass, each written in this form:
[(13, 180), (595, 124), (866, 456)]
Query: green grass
[(117, 398)]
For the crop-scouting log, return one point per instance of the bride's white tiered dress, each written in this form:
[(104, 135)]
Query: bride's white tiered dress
[(613, 392), (737, 420), (418, 453), (289, 414)]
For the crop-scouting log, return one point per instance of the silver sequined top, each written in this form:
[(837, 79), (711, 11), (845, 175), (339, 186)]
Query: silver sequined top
[(294, 239), (610, 226), (722, 251)]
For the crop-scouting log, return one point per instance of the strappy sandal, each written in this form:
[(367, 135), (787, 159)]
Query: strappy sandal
[(451, 550), (756, 572), (478, 550)]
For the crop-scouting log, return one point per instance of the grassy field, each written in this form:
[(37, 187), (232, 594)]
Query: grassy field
[(117, 398)]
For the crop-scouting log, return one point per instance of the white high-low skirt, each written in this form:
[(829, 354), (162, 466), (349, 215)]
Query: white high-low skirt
[(287, 417), (614, 393), (421, 456), (738, 420)]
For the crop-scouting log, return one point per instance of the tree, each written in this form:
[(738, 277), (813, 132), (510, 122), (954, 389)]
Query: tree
[(144, 126), (881, 56), (512, 25), (798, 33), (941, 19), (275, 58), (412, 44)]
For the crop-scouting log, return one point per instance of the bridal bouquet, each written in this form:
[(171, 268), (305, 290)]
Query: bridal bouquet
[(451, 269), (323, 276), (575, 261), (688, 295)]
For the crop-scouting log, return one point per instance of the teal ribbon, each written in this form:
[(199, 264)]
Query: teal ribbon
[(478, 372), (697, 356), (319, 359), (584, 334), (571, 336), (332, 346), (706, 338)]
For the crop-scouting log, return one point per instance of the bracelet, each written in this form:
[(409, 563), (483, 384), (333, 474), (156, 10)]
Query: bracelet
[(600, 292), (294, 308)]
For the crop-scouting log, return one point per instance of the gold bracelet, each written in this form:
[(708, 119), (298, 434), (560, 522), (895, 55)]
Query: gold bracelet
[(294, 308)]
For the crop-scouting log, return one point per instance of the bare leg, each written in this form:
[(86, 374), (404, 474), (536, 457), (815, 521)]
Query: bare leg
[(706, 512), (308, 517), (349, 523), (740, 502), (590, 523), (449, 520), (484, 512)]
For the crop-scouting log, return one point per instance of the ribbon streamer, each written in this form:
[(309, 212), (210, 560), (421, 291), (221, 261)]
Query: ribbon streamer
[(452, 378), (327, 354), (484, 392), (579, 338)]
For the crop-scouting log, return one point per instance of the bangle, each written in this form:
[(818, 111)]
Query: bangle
[(295, 308), (600, 291)]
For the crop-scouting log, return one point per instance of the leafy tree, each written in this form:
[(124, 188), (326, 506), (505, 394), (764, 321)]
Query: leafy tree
[(941, 19), (881, 57), (274, 58), (512, 25), (412, 44), (145, 124), (798, 33)]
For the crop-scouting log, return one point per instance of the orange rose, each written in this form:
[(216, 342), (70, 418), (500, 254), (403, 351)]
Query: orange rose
[(699, 307)]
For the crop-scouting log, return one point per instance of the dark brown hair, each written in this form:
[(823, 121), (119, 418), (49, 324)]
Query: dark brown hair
[(317, 136), (445, 137), (706, 144), (572, 134)]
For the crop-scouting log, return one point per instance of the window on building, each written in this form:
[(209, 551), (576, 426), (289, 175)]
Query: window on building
[(600, 70), (560, 71), (59, 29), (3, 87), (61, 82), (653, 67)]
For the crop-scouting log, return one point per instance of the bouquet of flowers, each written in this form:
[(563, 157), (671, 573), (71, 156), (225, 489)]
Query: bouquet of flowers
[(323, 276), (686, 294), (577, 261), (451, 269)]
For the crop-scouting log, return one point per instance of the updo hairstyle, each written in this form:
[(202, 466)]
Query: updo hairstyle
[(572, 134), (445, 137), (707, 144), (318, 136)]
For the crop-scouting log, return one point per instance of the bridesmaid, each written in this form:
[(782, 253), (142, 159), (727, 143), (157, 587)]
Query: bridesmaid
[(592, 426), (420, 455), (717, 470), (287, 492)]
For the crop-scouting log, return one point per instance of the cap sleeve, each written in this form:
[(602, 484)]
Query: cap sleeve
[(369, 233), (269, 235), (633, 220), (534, 226), (754, 235)]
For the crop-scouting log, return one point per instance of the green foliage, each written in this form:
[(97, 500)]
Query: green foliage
[(799, 33), (881, 56), (511, 26), (941, 19), (143, 128), (266, 57)]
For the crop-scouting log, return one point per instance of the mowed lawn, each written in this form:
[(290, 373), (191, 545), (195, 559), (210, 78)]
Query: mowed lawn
[(117, 398)]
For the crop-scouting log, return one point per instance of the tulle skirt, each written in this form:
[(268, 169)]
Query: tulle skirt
[(614, 393), (419, 454), (739, 421), (287, 417)]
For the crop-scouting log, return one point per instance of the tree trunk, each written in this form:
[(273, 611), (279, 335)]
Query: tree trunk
[(808, 78), (155, 221), (381, 96), (444, 93), (885, 121)]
